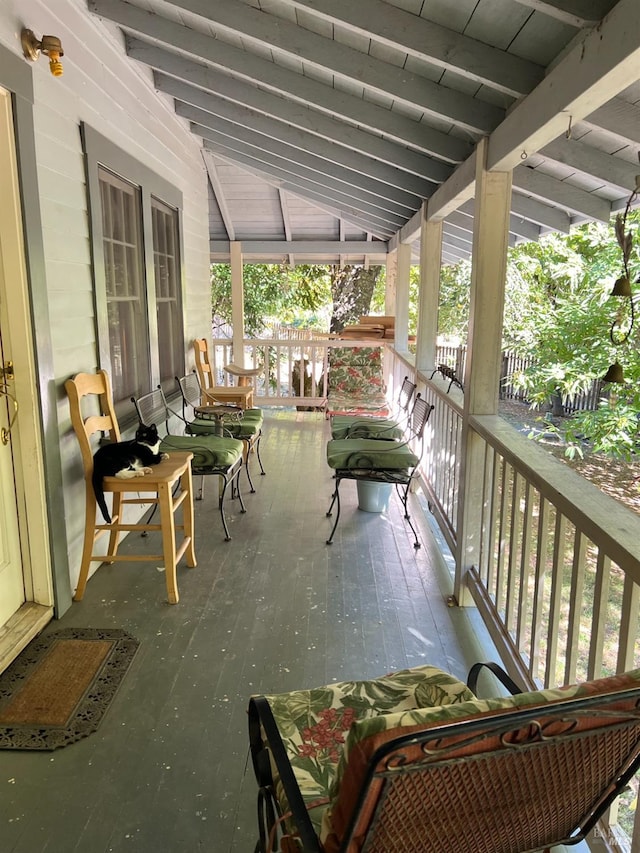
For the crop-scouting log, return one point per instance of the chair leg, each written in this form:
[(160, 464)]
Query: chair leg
[(335, 500), (87, 547), (404, 497), (114, 536), (168, 522), (186, 483), (245, 455), (262, 471)]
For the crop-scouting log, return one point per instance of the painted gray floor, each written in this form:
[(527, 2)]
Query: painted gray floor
[(272, 610)]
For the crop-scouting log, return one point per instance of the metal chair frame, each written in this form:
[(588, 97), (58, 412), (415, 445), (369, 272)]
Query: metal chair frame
[(191, 393), (361, 467), (463, 774), (153, 408)]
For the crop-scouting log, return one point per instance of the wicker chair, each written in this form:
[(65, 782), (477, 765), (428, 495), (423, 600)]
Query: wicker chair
[(413, 762)]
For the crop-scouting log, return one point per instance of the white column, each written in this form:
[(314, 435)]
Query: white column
[(484, 345), (430, 262), (402, 297), (390, 291), (237, 302)]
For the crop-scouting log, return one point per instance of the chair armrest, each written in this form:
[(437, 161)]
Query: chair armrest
[(498, 671)]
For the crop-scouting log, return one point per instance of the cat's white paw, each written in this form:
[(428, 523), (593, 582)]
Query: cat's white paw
[(164, 455), (144, 471)]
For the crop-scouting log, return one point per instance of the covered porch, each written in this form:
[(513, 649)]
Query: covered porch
[(274, 609)]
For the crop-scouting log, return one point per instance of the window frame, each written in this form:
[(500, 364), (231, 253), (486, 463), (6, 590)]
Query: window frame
[(101, 152)]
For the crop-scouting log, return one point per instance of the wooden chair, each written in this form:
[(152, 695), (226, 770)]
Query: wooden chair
[(213, 455), (381, 460), (239, 395), (244, 424), (414, 762), (163, 480)]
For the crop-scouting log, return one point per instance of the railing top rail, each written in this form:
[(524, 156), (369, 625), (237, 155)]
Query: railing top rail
[(604, 520)]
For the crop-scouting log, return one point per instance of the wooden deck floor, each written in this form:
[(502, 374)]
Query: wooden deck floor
[(272, 610)]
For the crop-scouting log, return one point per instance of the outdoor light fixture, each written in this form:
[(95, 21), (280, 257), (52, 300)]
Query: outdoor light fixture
[(51, 46)]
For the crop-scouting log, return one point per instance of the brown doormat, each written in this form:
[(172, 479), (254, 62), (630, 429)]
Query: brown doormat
[(59, 688)]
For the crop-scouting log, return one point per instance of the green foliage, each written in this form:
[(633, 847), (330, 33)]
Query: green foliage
[(558, 314), (271, 291)]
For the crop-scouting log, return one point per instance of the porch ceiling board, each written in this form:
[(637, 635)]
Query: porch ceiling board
[(353, 114)]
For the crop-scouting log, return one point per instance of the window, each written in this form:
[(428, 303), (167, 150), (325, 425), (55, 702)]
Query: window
[(136, 243), (124, 285), (166, 263)]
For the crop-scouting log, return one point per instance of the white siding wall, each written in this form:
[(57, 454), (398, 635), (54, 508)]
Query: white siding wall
[(101, 87)]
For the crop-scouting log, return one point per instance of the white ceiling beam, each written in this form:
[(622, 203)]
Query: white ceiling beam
[(304, 177), (375, 248), (575, 13), (560, 193), (410, 89), (429, 42), (286, 223), (218, 192), (295, 118), (538, 119), (377, 223), (308, 166), (606, 62), (591, 161), (539, 213), (518, 226), (619, 118)]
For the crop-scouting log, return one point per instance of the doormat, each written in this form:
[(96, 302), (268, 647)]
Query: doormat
[(59, 688)]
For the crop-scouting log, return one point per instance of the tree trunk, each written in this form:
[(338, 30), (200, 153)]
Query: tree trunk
[(351, 291)]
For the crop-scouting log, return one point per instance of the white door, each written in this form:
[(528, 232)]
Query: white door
[(26, 588), (12, 592)]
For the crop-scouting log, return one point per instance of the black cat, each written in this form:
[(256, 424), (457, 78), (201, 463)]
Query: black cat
[(125, 459)]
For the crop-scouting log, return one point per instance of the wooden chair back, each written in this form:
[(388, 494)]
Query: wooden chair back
[(203, 363), (98, 387)]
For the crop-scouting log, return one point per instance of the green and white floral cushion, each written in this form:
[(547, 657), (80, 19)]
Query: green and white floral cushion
[(356, 381), (313, 723)]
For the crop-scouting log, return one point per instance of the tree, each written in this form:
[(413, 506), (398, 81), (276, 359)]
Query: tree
[(351, 291), (270, 290)]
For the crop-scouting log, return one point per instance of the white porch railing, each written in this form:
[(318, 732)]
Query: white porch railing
[(557, 577)]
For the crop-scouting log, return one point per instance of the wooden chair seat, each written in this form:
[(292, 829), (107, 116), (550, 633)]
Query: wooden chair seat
[(140, 491), (240, 395)]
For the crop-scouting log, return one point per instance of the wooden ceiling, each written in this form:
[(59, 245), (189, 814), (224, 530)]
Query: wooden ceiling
[(326, 123)]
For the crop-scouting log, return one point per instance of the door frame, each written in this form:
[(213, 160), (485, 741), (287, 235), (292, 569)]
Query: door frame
[(42, 528)]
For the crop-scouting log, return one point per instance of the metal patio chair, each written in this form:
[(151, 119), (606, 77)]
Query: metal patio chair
[(212, 419), (379, 460), (212, 455), (92, 392), (414, 762), (365, 426)]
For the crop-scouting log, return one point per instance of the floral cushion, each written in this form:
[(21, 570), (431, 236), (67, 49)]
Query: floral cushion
[(369, 454), (356, 371), (366, 735), (313, 723)]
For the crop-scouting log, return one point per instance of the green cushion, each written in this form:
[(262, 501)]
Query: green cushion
[(369, 454), (313, 723), (234, 429), (353, 426), (209, 451)]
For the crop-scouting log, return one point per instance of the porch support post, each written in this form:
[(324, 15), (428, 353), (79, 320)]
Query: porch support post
[(237, 302), (390, 291), (402, 298), (430, 261), (484, 345)]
